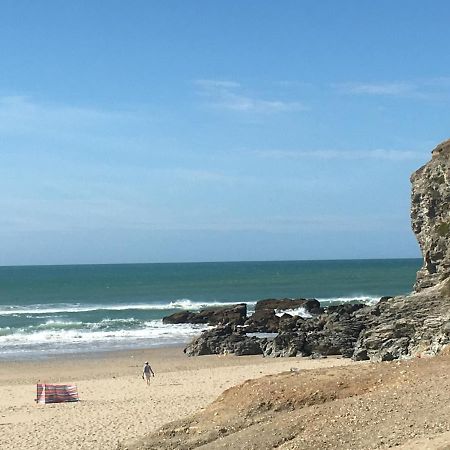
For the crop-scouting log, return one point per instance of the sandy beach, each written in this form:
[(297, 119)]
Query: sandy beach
[(116, 405)]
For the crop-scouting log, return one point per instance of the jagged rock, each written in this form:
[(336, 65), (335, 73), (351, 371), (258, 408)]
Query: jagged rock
[(235, 315), (263, 321), (222, 340), (418, 323), (346, 309), (285, 344), (335, 336), (430, 216), (405, 326), (289, 323), (311, 306)]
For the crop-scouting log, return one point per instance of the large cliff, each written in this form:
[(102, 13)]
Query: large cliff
[(430, 216)]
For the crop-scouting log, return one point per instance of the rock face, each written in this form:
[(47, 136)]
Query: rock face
[(420, 322), (430, 216), (406, 326)]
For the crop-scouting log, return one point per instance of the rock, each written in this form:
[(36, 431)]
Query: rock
[(430, 216), (184, 317), (311, 306), (405, 326), (248, 346), (262, 321), (223, 340), (285, 344), (235, 315), (415, 324)]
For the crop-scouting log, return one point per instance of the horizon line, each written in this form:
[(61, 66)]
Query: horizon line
[(209, 262)]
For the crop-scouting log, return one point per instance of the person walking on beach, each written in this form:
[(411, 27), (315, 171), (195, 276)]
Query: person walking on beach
[(147, 372)]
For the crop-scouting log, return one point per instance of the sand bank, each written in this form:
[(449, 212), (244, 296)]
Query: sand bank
[(116, 405)]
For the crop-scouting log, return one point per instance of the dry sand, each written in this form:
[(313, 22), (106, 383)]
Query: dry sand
[(116, 405), (403, 404)]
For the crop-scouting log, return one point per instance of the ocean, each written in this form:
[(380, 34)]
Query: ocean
[(51, 310)]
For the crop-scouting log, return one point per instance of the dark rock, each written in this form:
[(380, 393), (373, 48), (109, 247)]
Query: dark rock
[(248, 346), (235, 315), (312, 306), (285, 344), (184, 317), (262, 321), (346, 308), (288, 323), (222, 340)]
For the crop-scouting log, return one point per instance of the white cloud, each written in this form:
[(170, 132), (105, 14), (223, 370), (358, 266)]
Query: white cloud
[(228, 95), (390, 89), (378, 154), (435, 89), (217, 84)]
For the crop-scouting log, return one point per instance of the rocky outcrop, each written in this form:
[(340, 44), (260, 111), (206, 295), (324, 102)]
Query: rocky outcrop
[(310, 306), (334, 332), (430, 216), (406, 326), (262, 321), (418, 323), (396, 327), (234, 315), (223, 340)]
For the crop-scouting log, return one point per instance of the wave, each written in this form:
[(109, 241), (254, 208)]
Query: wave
[(302, 312), (58, 337), (368, 299), (42, 309)]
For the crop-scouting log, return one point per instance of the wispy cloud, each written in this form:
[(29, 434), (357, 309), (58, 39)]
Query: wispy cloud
[(230, 95), (394, 89), (425, 89), (377, 154)]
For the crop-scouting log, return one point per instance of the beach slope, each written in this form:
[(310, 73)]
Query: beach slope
[(362, 406)]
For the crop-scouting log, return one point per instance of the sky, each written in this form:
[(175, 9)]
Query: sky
[(173, 131)]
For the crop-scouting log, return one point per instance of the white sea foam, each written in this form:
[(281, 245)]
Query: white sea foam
[(302, 312), (368, 299), (59, 338), (31, 310), (192, 305)]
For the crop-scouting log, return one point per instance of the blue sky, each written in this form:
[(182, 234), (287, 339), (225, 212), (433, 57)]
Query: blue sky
[(164, 131)]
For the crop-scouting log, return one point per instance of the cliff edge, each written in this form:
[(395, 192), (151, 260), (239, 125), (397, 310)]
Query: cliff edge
[(418, 323), (430, 216)]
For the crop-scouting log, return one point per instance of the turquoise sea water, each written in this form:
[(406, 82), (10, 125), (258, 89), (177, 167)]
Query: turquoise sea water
[(58, 309)]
